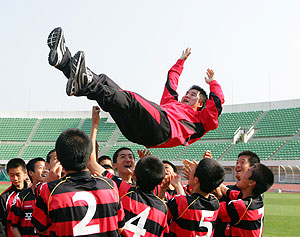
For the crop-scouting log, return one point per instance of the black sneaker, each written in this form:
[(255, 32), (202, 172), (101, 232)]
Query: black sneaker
[(56, 43), (80, 75)]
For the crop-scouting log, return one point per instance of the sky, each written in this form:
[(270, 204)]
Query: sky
[(253, 47)]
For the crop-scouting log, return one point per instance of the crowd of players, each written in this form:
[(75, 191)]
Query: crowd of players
[(75, 193)]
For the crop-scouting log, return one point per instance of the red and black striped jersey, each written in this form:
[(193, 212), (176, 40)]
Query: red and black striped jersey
[(6, 200), (21, 212), (145, 213), (220, 225), (245, 216), (79, 204), (192, 215), (169, 194)]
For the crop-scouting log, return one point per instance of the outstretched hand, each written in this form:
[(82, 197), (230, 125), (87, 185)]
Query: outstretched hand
[(210, 73), (143, 153), (188, 166), (207, 155), (95, 115), (186, 53)]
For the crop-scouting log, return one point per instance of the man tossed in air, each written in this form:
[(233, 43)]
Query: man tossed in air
[(170, 124)]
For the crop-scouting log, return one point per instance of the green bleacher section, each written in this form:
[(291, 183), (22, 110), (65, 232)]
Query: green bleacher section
[(16, 129), (8, 151), (50, 128), (33, 151), (105, 129), (264, 149), (291, 151), (276, 137), (196, 150), (169, 154), (230, 122), (122, 138), (279, 122)]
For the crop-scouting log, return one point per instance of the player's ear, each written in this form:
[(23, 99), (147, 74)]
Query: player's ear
[(196, 180), (200, 105), (252, 183), (114, 165)]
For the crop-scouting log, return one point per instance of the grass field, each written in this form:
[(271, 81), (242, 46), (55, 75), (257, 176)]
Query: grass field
[(282, 214)]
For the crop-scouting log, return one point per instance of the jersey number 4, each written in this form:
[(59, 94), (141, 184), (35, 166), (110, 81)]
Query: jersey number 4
[(81, 228), (138, 229)]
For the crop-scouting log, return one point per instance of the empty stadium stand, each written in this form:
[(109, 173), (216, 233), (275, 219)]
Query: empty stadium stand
[(275, 137)]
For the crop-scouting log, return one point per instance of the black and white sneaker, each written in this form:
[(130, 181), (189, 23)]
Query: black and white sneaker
[(56, 43), (80, 75)]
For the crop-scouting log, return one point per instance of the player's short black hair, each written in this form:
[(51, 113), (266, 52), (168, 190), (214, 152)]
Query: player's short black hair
[(73, 148), (48, 157), (103, 157), (115, 156), (202, 92), (149, 171), (106, 166), (210, 174), (31, 165), (171, 164), (252, 157), (15, 163), (264, 178)]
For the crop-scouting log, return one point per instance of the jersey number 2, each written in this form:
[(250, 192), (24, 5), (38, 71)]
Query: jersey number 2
[(81, 228), (138, 229)]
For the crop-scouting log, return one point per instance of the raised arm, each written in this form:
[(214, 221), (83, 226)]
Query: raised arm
[(173, 77), (213, 107), (93, 166)]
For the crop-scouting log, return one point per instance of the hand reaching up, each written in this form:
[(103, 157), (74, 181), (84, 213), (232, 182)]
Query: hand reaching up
[(185, 54), (210, 76)]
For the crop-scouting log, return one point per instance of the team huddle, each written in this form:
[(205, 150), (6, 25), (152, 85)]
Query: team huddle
[(76, 193)]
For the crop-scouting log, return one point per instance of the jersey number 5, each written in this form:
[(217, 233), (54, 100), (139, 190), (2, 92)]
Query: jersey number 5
[(81, 228), (206, 224)]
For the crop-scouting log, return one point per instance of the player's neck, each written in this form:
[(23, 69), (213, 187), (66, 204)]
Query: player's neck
[(247, 193), (196, 189), (127, 178)]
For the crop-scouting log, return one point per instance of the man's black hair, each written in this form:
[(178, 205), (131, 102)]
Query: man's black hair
[(106, 166), (171, 164), (48, 157), (210, 174), (31, 165), (264, 178), (115, 156), (149, 171), (73, 148), (102, 158), (252, 157), (15, 163), (202, 92)]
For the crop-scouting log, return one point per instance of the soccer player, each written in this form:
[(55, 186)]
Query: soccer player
[(105, 160), (77, 204), (21, 211), (16, 169), (170, 124), (145, 213), (123, 158), (51, 159), (195, 214), (172, 188), (245, 160), (246, 214)]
